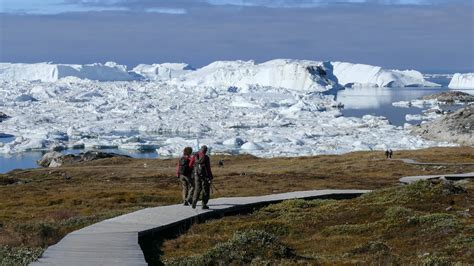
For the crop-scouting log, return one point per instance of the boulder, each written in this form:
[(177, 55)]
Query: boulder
[(56, 159), (457, 127)]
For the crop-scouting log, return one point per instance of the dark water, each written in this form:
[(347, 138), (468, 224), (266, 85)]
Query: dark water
[(28, 159), (378, 101)]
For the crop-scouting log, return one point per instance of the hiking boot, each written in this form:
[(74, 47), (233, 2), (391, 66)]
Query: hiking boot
[(205, 207)]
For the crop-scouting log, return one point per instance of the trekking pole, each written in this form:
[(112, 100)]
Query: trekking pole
[(214, 187)]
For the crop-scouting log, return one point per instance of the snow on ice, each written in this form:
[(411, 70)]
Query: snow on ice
[(271, 109), (462, 81)]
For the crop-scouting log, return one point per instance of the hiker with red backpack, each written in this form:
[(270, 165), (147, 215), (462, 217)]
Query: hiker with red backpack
[(202, 174), (185, 174)]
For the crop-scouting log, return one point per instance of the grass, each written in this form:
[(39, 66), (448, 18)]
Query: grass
[(39, 206), (421, 224)]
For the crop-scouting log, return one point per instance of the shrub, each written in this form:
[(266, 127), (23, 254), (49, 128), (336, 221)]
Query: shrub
[(18, 255), (437, 221), (243, 248)]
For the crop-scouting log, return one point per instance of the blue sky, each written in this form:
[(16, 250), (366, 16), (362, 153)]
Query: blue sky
[(431, 35)]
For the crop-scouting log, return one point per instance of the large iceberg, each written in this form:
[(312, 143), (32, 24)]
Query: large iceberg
[(298, 75), (361, 75), (166, 71), (48, 72), (462, 81)]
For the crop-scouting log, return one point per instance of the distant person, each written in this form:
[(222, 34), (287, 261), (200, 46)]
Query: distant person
[(184, 173), (390, 153), (221, 163), (387, 154), (201, 165)]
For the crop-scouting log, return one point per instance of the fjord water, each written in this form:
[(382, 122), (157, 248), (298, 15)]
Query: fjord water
[(378, 102), (357, 103)]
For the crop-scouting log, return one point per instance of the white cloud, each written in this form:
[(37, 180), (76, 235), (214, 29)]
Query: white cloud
[(173, 11)]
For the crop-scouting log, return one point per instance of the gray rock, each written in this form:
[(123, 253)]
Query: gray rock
[(450, 96), (46, 160), (56, 159), (457, 127)]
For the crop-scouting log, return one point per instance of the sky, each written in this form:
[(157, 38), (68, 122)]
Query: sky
[(428, 35)]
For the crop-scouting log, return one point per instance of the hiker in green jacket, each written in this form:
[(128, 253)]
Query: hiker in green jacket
[(202, 174)]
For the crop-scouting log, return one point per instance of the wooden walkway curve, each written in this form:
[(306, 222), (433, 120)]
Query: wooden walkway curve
[(116, 241)]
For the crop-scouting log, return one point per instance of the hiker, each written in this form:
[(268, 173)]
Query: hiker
[(184, 173), (390, 153), (201, 165), (387, 154)]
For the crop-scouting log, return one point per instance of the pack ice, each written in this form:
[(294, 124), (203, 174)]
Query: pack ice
[(462, 81), (275, 108)]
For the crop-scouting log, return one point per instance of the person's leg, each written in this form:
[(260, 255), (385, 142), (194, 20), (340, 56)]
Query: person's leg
[(206, 193), (184, 187), (191, 189), (197, 190)]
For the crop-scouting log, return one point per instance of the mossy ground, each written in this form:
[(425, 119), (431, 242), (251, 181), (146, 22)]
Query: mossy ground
[(39, 206), (422, 223)]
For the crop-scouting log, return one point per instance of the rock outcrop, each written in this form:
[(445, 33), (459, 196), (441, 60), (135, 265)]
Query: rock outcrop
[(56, 159), (457, 127), (450, 96)]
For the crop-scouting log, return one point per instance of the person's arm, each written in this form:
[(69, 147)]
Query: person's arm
[(191, 162), (208, 167)]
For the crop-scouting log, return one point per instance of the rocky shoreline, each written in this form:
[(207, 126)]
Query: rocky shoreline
[(457, 127)]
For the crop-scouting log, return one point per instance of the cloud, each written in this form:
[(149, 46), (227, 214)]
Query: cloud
[(172, 11), (427, 38), (179, 7)]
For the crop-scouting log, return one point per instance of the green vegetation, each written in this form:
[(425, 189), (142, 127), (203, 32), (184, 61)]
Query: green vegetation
[(425, 223), (18, 255), (39, 206), (243, 248)]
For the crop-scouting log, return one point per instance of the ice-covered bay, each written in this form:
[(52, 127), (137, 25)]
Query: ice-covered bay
[(145, 116)]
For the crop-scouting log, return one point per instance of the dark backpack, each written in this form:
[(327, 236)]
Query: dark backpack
[(184, 166), (200, 166)]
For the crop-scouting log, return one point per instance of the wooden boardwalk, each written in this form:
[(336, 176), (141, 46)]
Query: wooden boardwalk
[(411, 179), (116, 241)]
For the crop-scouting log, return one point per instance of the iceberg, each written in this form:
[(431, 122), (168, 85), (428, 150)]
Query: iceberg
[(297, 75), (277, 108), (361, 75), (162, 72), (48, 72), (462, 81)]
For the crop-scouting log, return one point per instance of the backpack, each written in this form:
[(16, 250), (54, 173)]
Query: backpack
[(199, 166), (184, 166)]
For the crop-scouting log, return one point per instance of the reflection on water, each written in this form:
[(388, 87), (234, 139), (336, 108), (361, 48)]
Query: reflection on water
[(378, 101), (28, 159)]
